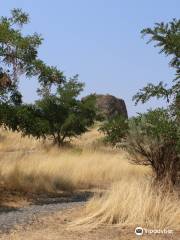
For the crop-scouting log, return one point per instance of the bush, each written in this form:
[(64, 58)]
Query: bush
[(154, 139), (114, 129), (151, 139)]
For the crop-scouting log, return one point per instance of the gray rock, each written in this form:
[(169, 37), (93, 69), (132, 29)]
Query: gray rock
[(110, 106)]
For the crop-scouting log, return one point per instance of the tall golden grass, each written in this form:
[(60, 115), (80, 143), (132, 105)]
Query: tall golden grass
[(52, 169), (128, 199), (65, 169), (133, 203)]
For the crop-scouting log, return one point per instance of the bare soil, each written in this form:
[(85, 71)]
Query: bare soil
[(33, 216), (57, 227)]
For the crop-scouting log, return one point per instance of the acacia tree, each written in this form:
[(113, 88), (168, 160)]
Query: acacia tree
[(153, 140), (19, 55), (157, 138), (58, 116), (65, 115), (167, 38)]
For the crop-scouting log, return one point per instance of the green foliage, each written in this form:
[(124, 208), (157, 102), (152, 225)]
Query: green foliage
[(25, 118), (167, 38), (19, 55), (67, 116), (60, 116), (115, 129), (8, 116), (47, 76), (154, 139), (17, 52), (18, 17), (150, 91)]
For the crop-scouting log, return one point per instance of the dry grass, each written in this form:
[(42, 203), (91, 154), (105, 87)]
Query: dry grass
[(130, 201), (134, 203), (13, 142), (65, 169)]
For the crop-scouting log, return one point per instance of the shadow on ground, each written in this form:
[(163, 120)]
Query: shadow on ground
[(11, 200), (81, 196), (22, 209), (6, 209)]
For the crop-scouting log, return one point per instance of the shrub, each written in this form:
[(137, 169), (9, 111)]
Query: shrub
[(114, 129), (154, 139)]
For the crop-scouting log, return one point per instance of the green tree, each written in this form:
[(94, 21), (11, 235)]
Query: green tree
[(66, 115), (19, 56), (154, 139), (17, 53), (157, 135), (167, 38), (24, 118), (59, 116)]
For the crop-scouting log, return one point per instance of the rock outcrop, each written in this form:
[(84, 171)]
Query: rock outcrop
[(110, 106)]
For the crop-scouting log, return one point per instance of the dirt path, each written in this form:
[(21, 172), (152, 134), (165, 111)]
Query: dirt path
[(11, 217), (27, 215), (57, 226), (48, 218)]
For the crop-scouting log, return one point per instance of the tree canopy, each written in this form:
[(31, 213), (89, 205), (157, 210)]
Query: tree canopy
[(167, 37), (59, 114), (19, 56)]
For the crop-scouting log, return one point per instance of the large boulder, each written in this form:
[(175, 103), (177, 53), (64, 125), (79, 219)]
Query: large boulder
[(110, 106)]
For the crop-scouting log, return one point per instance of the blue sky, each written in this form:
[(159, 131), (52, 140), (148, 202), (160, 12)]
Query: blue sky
[(101, 41)]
